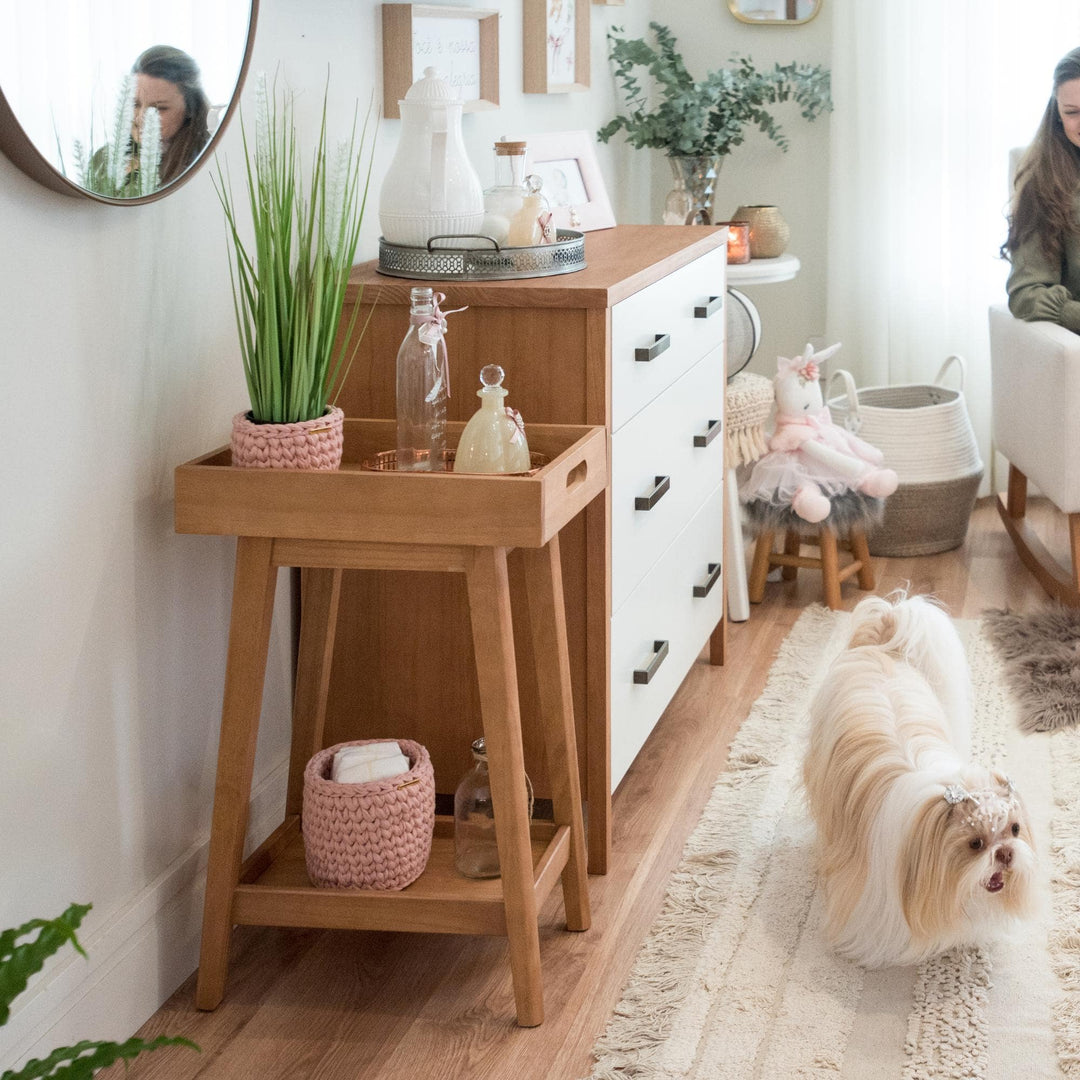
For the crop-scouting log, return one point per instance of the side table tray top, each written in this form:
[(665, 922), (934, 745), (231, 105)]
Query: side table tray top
[(356, 518)]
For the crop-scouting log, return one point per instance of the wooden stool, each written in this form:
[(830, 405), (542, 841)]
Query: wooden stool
[(354, 518), (827, 561)]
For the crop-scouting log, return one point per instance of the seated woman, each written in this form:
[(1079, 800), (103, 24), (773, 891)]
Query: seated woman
[(1043, 244), (167, 79)]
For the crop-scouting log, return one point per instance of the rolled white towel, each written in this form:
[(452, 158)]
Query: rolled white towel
[(371, 761)]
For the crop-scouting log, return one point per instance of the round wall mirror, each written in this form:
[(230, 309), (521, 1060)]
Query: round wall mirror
[(120, 102), (774, 12)]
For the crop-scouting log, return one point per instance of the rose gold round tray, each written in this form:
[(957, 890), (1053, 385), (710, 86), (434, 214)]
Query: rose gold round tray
[(386, 461)]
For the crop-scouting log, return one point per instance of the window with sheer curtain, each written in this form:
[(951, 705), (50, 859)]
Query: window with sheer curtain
[(930, 97)]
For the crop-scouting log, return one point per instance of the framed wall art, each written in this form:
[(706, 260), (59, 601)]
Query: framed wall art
[(461, 43), (566, 162), (555, 46)]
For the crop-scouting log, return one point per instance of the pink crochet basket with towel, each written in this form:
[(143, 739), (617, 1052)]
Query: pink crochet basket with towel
[(374, 835)]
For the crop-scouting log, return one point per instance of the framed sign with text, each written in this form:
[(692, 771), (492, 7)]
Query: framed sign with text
[(461, 43)]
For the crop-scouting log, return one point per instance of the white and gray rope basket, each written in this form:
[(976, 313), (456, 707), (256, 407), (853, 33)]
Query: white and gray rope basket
[(925, 434)]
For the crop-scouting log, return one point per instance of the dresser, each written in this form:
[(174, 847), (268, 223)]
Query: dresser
[(633, 342)]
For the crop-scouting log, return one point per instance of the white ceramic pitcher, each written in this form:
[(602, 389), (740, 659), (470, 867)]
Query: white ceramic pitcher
[(430, 189)]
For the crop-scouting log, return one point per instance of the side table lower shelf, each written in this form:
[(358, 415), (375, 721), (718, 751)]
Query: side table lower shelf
[(275, 890)]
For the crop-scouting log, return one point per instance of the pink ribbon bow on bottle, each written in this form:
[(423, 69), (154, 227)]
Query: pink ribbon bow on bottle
[(433, 332)]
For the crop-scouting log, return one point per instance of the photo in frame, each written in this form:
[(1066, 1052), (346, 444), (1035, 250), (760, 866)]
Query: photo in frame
[(566, 162), (461, 43), (555, 46)]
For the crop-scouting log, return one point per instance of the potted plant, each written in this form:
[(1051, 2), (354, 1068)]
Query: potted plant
[(289, 286), (697, 123), (19, 960)]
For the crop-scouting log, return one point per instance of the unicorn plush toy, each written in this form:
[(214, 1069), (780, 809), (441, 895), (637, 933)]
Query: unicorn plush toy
[(811, 460)]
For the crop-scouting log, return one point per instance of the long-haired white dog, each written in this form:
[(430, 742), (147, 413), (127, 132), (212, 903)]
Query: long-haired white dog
[(920, 850)]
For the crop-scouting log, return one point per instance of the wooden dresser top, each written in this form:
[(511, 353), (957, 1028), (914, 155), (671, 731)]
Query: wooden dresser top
[(619, 262)]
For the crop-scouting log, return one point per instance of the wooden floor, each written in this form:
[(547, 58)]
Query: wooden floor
[(334, 1005)]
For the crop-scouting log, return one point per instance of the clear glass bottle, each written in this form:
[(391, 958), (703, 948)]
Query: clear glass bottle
[(476, 854), (493, 441), (422, 390)]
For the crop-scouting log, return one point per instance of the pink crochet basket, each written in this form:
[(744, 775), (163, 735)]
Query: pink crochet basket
[(307, 444), (375, 835)]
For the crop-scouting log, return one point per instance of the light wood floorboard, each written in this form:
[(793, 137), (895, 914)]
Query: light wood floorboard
[(334, 1005)]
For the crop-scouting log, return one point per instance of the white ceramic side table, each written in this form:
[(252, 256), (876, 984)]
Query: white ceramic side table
[(740, 275)]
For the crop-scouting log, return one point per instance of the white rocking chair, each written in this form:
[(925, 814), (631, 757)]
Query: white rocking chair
[(1035, 368)]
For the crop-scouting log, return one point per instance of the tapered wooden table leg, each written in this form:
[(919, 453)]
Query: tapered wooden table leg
[(861, 552), (830, 569), (759, 571), (320, 591), (547, 618), (792, 546), (245, 671), (493, 642)]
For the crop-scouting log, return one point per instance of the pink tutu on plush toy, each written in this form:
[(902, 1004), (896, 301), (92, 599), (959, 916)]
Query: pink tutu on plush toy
[(811, 460)]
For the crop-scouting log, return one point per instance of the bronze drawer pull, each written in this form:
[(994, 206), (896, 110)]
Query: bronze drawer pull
[(704, 311), (710, 433), (661, 487), (661, 343), (660, 651), (710, 581)]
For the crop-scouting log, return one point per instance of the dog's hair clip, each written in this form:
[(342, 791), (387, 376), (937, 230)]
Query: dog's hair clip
[(954, 794)]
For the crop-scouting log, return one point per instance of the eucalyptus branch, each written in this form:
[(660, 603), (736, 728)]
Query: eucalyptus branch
[(679, 115)]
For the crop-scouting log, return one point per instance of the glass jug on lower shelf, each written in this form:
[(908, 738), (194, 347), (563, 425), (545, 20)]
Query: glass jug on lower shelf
[(476, 853)]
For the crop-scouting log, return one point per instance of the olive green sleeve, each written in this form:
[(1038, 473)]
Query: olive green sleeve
[(1036, 291)]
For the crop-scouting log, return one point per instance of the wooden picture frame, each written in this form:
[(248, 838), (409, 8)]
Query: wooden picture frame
[(566, 162), (555, 46), (461, 42)]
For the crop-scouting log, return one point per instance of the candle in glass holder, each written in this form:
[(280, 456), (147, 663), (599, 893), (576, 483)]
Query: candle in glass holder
[(738, 245)]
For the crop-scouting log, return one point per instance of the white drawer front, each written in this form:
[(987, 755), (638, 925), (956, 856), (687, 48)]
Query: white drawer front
[(659, 442), (664, 608), (665, 308)]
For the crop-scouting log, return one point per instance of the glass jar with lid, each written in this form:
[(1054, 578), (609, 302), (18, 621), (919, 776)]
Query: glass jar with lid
[(516, 213)]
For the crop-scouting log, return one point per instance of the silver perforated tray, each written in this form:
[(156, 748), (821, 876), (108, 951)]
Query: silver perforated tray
[(484, 261)]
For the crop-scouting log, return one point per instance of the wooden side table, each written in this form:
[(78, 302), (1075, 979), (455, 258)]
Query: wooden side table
[(325, 522)]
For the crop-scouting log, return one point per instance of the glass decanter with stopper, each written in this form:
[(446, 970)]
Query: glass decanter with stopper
[(516, 213), (422, 387), (476, 853), (493, 441)]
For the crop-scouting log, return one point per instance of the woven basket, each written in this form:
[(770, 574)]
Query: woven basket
[(769, 232), (924, 432), (375, 835), (307, 444)]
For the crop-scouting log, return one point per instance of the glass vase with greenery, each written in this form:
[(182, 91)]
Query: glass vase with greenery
[(706, 118), (19, 960), (289, 282)]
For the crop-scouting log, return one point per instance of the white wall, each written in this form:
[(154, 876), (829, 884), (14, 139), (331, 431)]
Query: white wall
[(759, 173), (119, 361)]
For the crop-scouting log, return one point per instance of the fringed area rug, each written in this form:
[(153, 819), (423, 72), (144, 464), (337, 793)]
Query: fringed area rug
[(735, 981)]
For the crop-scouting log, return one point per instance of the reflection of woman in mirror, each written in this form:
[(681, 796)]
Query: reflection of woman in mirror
[(1044, 227), (167, 79)]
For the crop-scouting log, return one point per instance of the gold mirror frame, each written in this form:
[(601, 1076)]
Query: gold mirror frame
[(733, 7), (20, 150)]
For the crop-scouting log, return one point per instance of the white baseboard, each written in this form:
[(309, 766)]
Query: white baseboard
[(137, 958)]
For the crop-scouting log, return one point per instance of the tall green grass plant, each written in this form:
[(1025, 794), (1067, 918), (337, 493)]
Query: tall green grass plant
[(289, 283)]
